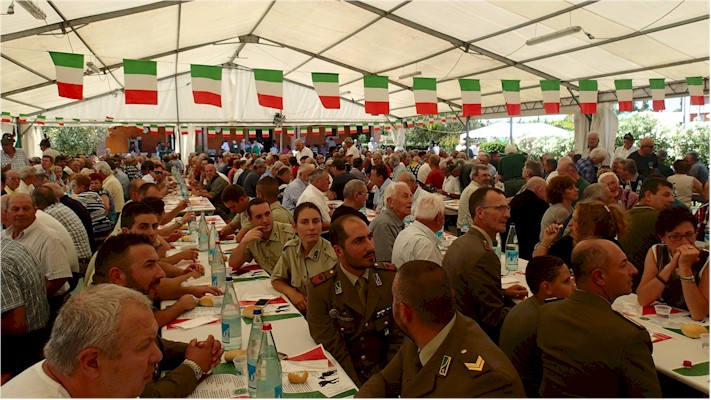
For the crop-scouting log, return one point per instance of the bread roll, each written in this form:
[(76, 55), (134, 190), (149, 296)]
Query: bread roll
[(232, 354), (248, 311), (298, 377), (206, 301), (693, 331)]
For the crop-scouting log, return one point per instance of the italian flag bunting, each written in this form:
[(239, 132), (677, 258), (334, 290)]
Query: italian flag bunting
[(40, 120), (76, 121), (290, 131), (70, 74), (420, 121), (471, 97), (425, 95), (377, 98), (409, 122), (139, 125), (341, 130), (169, 129), (239, 133), (696, 90), (60, 120), (198, 130), (444, 118), (366, 128), (277, 130), (140, 81), (454, 117), (183, 130), (658, 93), (315, 130), (512, 96), (388, 127), (6, 117), (252, 132), (376, 128), (623, 89), (326, 87), (211, 132), (207, 84), (154, 130), (270, 86), (109, 119), (398, 124), (588, 96), (22, 118), (431, 120), (551, 96)]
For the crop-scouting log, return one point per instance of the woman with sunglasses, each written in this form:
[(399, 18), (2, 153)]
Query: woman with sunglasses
[(675, 271)]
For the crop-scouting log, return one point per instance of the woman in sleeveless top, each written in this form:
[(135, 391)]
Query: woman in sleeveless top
[(684, 185)]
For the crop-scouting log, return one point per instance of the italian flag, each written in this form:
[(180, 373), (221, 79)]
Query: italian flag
[(388, 127), (169, 129), (425, 95), (512, 96), (588, 96), (277, 130), (366, 128), (76, 121), (211, 132), (431, 120), (198, 130), (658, 93), (444, 118), (154, 129), (22, 118), (398, 125), (252, 132), (139, 125), (421, 121), (239, 133), (471, 97), (184, 130), (70, 74), (341, 130), (315, 130), (60, 120), (40, 120), (290, 131), (226, 131), (326, 87), (409, 123), (376, 128), (623, 88), (109, 120), (551, 96), (6, 118), (696, 90), (454, 117), (207, 84), (270, 86), (140, 81), (377, 98)]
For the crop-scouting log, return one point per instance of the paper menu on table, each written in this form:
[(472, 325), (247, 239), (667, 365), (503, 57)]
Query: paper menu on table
[(329, 384), (221, 386), (199, 312)]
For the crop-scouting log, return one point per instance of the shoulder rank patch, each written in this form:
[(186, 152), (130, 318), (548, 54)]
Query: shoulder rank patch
[(386, 266), (444, 366), (478, 366), (323, 277)]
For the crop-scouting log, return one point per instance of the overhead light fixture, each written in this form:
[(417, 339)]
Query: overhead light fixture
[(93, 68), (555, 35), (32, 8), (410, 75)]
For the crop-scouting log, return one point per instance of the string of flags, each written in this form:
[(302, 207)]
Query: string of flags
[(141, 87)]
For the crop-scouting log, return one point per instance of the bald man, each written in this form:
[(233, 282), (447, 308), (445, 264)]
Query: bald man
[(527, 209), (645, 158)]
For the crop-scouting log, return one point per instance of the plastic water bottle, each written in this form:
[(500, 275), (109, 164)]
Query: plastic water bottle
[(512, 250), (203, 234), (211, 240), (440, 239), (231, 318), (253, 346), (269, 384), (217, 268)]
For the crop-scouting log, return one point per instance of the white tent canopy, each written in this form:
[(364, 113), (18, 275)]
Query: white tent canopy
[(445, 40), (518, 130)]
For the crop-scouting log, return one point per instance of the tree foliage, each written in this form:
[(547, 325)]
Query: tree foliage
[(641, 125), (692, 137), (76, 139), (556, 146), (444, 133)]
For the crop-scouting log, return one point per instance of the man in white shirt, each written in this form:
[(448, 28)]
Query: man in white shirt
[(27, 180), (627, 148), (480, 178), (593, 139), (424, 170), (316, 193), (419, 240), (88, 356), (296, 187), (351, 149), (301, 150), (411, 181)]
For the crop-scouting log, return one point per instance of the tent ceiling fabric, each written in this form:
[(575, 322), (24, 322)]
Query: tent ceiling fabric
[(446, 40)]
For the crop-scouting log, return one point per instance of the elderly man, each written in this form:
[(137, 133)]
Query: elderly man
[(250, 181), (45, 166), (698, 170), (265, 241), (627, 147), (424, 171), (593, 141), (527, 209), (27, 180), (355, 195), (214, 186), (436, 176), (296, 187), (446, 353), (12, 181), (351, 149), (511, 165), (103, 344), (349, 306), (15, 157), (301, 150), (316, 193), (617, 351), (645, 158), (479, 179), (566, 167), (631, 180), (396, 165), (111, 184), (419, 240), (131, 261), (380, 178), (474, 269), (587, 167), (623, 197), (390, 222)]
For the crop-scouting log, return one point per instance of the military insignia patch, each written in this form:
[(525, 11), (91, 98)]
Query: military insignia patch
[(318, 279), (444, 366), (378, 282), (477, 366), (339, 289)]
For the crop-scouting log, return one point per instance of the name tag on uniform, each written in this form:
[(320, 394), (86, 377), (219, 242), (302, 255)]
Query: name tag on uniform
[(339, 290), (444, 366), (378, 282)]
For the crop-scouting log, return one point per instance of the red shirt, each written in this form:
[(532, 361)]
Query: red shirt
[(435, 178)]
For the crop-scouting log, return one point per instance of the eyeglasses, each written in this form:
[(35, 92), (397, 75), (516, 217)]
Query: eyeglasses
[(677, 236), (499, 208)]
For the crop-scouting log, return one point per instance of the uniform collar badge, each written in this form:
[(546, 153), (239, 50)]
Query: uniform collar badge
[(378, 282), (339, 290), (444, 366)]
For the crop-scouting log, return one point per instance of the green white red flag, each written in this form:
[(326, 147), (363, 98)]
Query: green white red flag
[(70, 74), (22, 118), (588, 96), (59, 120), (431, 120), (270, 87), (6, 117), (140, 81), (211, 133), (315, 130), (696, 90), (623, 89), (183, 130), (169, 129), (658, 93), (377, 98), (154, 130), (239, 133), (512, 96), (41, 119), (551, 96), (327, 89), (444, 118), (425, 90), (252, 132), (207, 84), (471, 97), (341, 130), (290, 131)]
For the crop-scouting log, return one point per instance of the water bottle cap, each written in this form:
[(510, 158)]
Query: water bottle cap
[(228, 278), (267, 326), (257, 311)]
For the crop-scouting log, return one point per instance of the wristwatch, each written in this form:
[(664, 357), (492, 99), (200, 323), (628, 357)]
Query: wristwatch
[(178, 221), (196, 368)]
